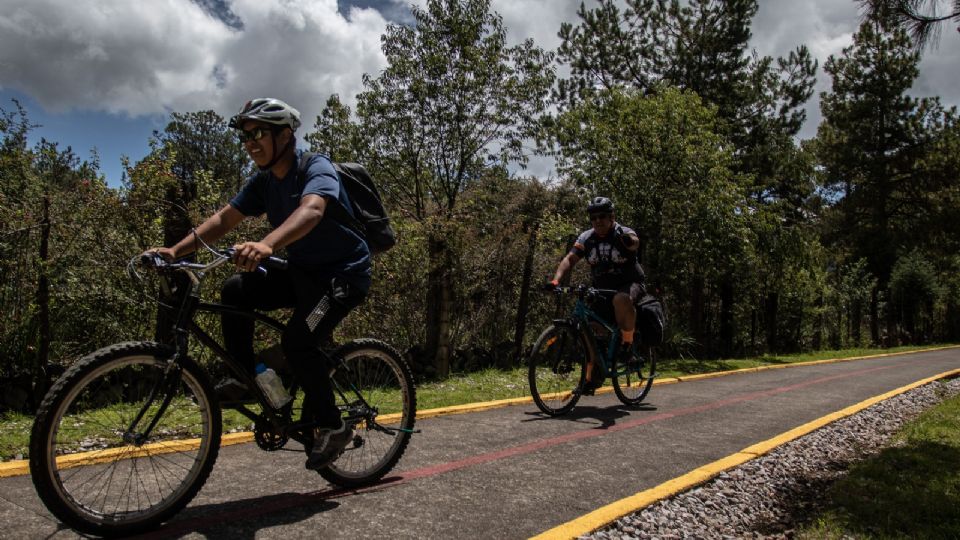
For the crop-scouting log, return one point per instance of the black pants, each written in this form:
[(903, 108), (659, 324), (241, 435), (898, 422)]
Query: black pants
[(318, 303)]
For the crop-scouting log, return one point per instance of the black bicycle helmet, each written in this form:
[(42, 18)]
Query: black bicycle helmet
[(600, 205)]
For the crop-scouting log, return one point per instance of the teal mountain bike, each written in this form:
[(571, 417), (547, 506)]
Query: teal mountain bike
[(560, 356)]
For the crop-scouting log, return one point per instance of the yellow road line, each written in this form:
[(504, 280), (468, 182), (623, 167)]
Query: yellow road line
[(20, 467), (608, 514)]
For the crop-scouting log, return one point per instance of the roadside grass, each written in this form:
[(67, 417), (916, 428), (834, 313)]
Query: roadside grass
[(14, 436), (909, 490), (486, 385)]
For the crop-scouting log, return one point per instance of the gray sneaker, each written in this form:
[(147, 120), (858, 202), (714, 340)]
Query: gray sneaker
[(328, 444)]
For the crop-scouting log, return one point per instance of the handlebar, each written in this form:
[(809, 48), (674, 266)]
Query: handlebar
[(153, 260), (582, 291)]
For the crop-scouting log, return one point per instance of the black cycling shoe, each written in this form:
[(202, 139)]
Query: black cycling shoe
[(587, 388)]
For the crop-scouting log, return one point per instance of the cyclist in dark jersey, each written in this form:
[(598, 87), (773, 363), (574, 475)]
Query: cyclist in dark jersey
[(611, 250), (329, 263)]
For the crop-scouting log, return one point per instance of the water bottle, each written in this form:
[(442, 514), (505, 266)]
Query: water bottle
[(272, 386)]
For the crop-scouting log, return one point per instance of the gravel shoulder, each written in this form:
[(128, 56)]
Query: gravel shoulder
[(770, 496)]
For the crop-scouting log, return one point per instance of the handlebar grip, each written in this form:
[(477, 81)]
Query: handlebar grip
[(270, 263), (275, 263), (152, 260)]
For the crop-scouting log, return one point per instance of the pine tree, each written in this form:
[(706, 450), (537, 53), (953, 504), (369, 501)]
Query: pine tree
[(882, 152)]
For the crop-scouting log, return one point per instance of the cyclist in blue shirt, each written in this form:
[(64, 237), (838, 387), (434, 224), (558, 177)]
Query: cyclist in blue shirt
[(329, 264), (611, 250)]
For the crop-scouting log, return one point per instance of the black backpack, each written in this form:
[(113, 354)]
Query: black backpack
[(371, 221), (650, 320)]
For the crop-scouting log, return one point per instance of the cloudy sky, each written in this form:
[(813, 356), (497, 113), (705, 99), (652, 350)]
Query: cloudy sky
[(104, 73)]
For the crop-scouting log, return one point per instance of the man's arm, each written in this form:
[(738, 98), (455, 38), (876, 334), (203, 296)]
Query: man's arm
[(211, 230), (565, 265), (300, 222), (629, 239)]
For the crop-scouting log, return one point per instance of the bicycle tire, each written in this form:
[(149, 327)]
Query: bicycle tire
[(382, 377), (557, 366), (76, 467), (633, 384)]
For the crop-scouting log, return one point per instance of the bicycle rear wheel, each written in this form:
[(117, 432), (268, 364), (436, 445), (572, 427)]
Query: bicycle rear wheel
[(90, 461), (374, 388), (632, 382), (557, 367)]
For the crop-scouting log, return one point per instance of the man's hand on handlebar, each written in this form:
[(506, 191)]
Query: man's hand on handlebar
[(155, 256), (551, 285), (249, 254)]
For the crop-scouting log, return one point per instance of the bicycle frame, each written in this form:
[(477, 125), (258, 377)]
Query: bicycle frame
[(580, 318), (185, 325)]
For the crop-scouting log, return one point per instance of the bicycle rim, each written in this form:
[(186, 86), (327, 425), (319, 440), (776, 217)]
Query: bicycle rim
[(556, 368), (103, 483), (382, 421), (632, 383)]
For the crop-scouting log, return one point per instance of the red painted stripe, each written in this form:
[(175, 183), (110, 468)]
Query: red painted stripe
[(317, 497)]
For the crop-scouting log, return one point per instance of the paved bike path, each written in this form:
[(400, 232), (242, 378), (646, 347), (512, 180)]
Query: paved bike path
[(510, 472)]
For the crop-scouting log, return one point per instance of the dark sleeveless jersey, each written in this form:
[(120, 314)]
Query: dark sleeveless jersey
[(611, 263)]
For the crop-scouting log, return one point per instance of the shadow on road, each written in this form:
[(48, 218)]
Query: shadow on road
[(242, 519), (588, 414)]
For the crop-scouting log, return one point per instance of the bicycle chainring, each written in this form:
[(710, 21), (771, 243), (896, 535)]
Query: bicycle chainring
[(268, 439)]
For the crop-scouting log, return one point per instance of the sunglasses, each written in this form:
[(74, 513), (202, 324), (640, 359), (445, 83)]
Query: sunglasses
[(254, 134), (598, 217)]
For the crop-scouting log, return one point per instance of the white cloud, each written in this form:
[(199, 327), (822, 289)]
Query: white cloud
[(140, 58)]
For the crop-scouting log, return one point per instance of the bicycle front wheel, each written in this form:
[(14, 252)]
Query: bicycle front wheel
[(125, 439), (632, 382), (557, 367), (375, 390)]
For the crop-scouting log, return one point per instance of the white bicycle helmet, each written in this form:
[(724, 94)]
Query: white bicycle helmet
[(269, 110)]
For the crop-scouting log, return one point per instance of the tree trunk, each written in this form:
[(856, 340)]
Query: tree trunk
[(176, 226), (523, 303), (875, 316), (696, 312), (439, 304), (40, 371), (856, 322), (771, 309), (726, 316), (818, 324)]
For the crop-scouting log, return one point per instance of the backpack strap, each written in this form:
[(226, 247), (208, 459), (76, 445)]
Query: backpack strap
[(335, 210)]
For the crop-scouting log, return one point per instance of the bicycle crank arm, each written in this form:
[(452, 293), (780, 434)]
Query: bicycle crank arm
[(393, 431)]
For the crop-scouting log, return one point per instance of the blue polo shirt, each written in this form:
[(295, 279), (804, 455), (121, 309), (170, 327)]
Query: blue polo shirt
[(330, 247)]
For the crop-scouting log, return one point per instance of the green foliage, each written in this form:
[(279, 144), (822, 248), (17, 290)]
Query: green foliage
[(670, 175), (914, 291), (454, 104), (61, 256), (453, 100), (700, 46), (335, 134), (758, 243), (922, 18), (885, 157)]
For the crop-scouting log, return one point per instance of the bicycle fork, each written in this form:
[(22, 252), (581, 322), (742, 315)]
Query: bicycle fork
[(164, 387)]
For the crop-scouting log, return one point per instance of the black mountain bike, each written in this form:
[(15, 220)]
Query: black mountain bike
[(129, 434), (559, 358)]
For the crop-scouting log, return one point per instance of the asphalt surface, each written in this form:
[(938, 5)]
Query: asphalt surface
[(510, 472)]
